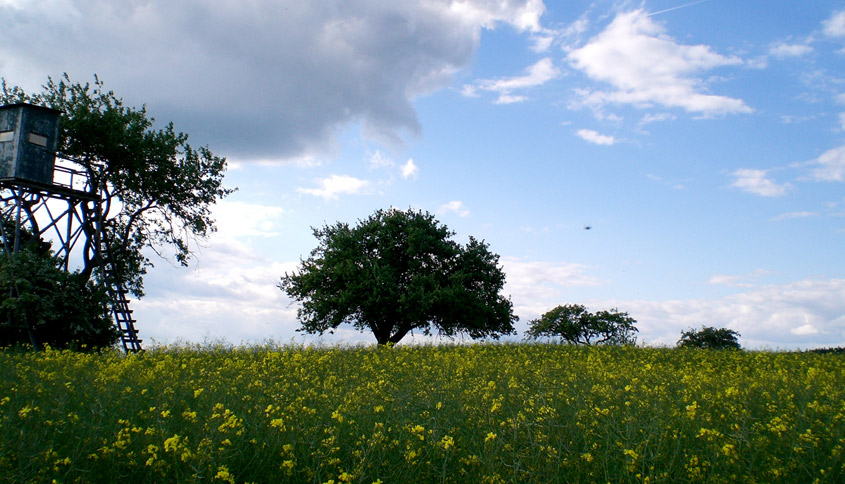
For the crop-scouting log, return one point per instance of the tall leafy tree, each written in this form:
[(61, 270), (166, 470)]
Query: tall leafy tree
[(396, 272), (573, 324), (154, 189)]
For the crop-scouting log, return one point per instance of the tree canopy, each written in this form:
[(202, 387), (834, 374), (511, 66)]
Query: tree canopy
[(573, 324), (709, 337), (396, 272), (156, 190)]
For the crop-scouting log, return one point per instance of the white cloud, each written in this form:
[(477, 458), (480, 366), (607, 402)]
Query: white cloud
[(842, 121), (835, 25), (297, 71), (794, 215), (804, 330), (410, 169), (379, 160), (740, 280), (654, 118), (241, 219), (230, 293), (647, 67), (774, 316), (524, 15), (830, 166), (535, 75), (455, 206), (782, 50), (542, 43), (595, 137), (537, 286), (756, 182), (335, 185), (509, 99)]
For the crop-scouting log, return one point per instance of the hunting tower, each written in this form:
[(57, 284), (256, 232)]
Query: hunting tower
[(40, 198)]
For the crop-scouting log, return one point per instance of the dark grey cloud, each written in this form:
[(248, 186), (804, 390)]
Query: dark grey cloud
[(260, 79)]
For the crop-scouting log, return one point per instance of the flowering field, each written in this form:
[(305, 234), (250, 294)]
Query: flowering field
[(479, 413)]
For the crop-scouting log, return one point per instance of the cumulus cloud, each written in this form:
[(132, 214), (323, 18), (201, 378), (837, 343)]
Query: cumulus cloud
[(410, 169), (646, 67), (835, 25), (758, 183), (535, 75), (332, 187), (455, 206), (595, 137), (806, 314), (265, 80), (244, 219), (217, 299), (830, 166), (537, 286), (782, 50)]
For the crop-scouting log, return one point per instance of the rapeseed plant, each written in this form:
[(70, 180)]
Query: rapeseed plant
[(478, 413)]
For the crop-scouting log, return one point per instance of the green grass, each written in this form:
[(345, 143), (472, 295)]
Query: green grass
[(478, 413)]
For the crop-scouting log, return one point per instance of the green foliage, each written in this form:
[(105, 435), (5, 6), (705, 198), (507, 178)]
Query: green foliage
[(43, 304), (836, 351), (573, 324), (482, 413), (399, 271), (157, 190), (709, 337)]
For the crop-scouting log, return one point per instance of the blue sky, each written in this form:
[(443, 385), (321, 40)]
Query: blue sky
[(703, 143)]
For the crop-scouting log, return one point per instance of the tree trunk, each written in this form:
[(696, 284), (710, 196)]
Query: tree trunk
[(399, 335)]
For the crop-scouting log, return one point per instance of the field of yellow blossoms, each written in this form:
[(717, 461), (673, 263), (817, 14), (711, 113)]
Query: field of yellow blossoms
[(487, 413)]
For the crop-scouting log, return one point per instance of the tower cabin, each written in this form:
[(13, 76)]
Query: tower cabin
[(29, 138)]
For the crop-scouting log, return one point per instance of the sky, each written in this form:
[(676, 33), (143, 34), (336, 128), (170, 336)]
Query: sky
[(703, 143)]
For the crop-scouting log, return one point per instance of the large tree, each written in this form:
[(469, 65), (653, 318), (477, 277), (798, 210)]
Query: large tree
[(154, 190), (573, 324), (396, 272)]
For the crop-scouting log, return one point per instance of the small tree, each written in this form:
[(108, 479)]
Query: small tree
[(573, 324), (709, 337), (43, 304), (399, 271)]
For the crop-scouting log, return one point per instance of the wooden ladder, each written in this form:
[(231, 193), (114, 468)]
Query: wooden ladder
[(119, 303)]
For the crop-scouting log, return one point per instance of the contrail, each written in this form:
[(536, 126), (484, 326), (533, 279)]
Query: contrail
[(678, 7)]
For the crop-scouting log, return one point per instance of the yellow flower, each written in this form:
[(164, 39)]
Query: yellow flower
[(224, 475), (446, 442)]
